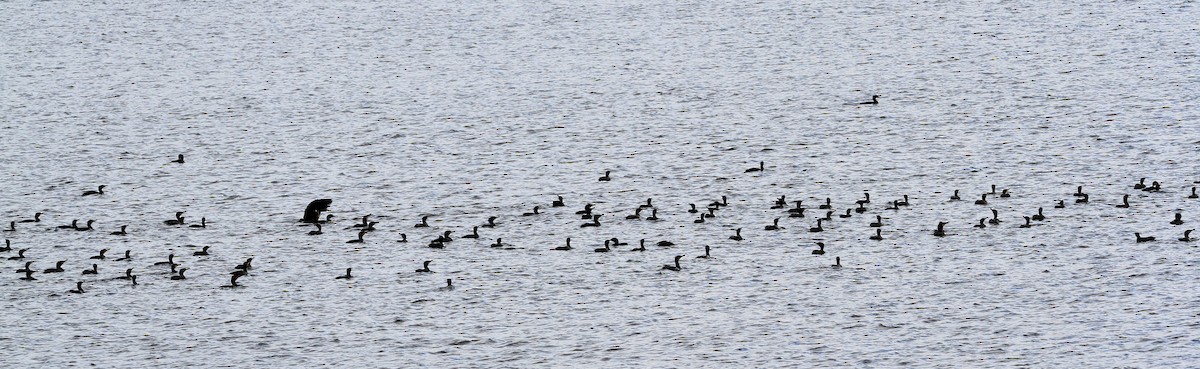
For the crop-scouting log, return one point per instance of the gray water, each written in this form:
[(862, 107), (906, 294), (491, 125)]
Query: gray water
[(464, 110)]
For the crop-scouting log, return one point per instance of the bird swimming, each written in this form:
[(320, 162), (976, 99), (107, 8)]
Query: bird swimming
[(345, 276), (674, 267), (424, 222), (820, 250), (425, 268), (606, 176), (761, 167), (120, 232), (203, 252), (737, 236), (180, 160), (874, 101), (98, 191), (37, 217)]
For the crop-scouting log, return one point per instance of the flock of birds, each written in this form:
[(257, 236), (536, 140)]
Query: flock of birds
[(588, 213)]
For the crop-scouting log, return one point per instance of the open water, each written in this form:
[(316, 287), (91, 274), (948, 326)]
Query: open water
[(461, 110)]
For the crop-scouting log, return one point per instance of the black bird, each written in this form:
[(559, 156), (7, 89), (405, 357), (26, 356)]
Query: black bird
[(587, 210), (203, 223), (20, 255), (403, 238), (866, 200), (558, 203), (1187, 236), (818, 227), (180, 160), (564, 248), (28, 276), (653, 215), (498, 243), (56, 269), (1079, 192), (693, 210), (74, 225), (861, 209), (1193, 195), (360, 237), (170, 260), (1082, 200), (425, 269), (637, 214), (827, 204), (126, 257), (128, 274), (648, 204), (346, 276), (902, 202), (982, 200), (1142, 239), (737, 236), (88, 227), (981, 225), (1004, 193), (535, 212), (706, 253), (203, 252), (316, 232), (120, 232), (1154, 187), (606, 248), (26, 268), (78, 288), (878, 235), (837, 262), (37, 217), (595, 221), (1039, 216), (1141, 184), (1124, 201), (616, 242), (878, 222), (1060, 204), (1026, 225), (847, 215), (798, 213), (491, 222), (95, 270), (941, 229), (233, 281), (773, 227), (98, 191), (101, 256), (424, 222), (820, 250), (1178, 219), (365, 222), (719, 204), (665, 243), (178, 221), (180, 276), (995, 217), (245, 266), (474, 233), (955, 197), (641, 245), (674, 267), (449, 285), (761, 167), (7, 246), (606, 178), (874, 101), (445, 237), (799, 208)]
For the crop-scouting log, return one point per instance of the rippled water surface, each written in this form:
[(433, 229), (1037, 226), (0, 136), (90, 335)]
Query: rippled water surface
[(463, 110)]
